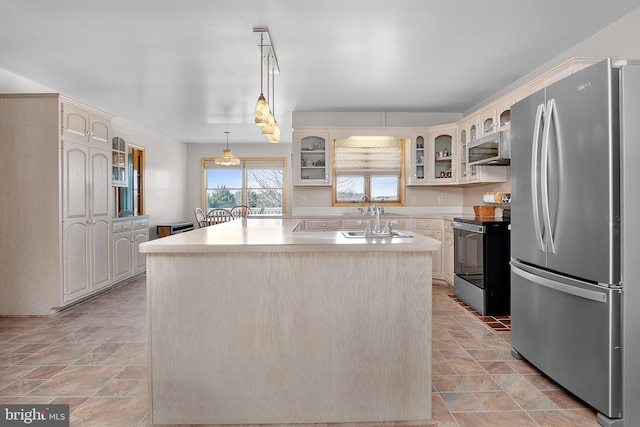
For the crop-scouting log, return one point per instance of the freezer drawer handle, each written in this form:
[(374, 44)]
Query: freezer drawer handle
[(568, 289)]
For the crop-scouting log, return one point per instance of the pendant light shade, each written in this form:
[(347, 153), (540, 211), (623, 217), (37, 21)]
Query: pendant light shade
[(275, 136), (261, 112), (227, 158), (263, 115), (273, 130), (270, 127)]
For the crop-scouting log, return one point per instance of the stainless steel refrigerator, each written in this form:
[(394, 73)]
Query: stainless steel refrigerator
[(574, 166)]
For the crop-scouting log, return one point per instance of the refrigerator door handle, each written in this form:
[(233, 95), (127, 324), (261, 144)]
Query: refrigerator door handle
[(559, 286), (534, 175), (552, 120)]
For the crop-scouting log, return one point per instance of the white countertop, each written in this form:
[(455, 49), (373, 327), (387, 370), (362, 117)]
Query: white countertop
[(277, 235)]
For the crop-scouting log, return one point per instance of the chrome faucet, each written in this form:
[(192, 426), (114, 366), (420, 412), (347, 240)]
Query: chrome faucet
[(366, 199), (375, 210), (377, 229)]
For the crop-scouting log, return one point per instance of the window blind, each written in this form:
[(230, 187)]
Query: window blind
[(367, 156)]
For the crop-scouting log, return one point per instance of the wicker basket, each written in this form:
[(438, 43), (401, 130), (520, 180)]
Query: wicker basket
[(484, 210)]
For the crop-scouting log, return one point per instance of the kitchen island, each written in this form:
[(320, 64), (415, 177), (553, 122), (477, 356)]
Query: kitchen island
[(251, 322)]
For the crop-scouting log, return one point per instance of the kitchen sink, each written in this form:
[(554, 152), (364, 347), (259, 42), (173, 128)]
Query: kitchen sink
[(359, 234)]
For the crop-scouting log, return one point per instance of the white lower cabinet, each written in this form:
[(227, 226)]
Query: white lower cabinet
[(437, 228), (122, 250), (361, 223), (448, 252), (433, 229), (139, 259), (127, 236)]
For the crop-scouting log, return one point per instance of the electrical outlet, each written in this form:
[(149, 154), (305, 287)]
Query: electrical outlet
[(440, 200), (303, 200), (413, 200)]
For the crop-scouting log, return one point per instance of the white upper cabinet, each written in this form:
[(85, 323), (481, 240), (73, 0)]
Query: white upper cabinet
[(417, 153), (119, 158), (442, 154), (83, 124), (312, 157)]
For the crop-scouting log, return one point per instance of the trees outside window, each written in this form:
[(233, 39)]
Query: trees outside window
[(258, 184)]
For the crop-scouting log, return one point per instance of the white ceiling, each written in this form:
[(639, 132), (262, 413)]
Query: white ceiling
[(190, 69)]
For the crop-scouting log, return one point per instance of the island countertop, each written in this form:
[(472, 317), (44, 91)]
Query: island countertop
[(279, 235)]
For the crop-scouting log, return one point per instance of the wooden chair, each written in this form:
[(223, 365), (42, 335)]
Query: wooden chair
[(201, 218), (218, 215), (241, 211)]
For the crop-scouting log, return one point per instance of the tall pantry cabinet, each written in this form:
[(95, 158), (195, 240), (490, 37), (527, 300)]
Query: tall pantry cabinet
[(57, 204)]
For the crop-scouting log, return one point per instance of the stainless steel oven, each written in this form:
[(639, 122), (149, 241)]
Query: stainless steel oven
[(481, 264)]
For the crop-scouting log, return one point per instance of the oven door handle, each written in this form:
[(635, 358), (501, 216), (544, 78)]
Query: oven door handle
[(468, 227)]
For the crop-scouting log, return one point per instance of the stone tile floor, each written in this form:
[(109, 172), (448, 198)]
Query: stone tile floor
[(94, 358)]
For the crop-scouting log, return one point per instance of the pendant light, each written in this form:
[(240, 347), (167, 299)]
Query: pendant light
[(275, 135), (271, 124), (261, 111), (227, 158)]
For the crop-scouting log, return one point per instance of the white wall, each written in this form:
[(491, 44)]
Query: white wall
[(195, 153), (165, 177), (13, 83)]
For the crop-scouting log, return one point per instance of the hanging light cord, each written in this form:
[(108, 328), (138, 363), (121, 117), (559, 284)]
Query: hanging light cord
[(273, 92), (268, 58), (261, 56)]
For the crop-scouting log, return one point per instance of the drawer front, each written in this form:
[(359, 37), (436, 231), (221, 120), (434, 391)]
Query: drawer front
[(323, 224), (401, 225), (141, 223), (119, 226), (429, 224)]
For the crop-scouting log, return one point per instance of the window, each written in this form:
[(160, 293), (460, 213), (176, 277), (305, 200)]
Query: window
[(368, 166), (130, 199), (258, 184)]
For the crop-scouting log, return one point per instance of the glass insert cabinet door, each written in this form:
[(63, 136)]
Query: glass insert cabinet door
[(119, 162), (313, 158), (419, 149), (418, 170), (443, 158)]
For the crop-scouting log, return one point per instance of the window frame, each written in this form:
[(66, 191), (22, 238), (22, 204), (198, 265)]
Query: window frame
[(243, 168), (367, 182)]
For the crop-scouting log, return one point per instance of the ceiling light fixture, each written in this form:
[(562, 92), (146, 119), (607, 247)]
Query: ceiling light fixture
[(263, 116), (261, 112), (227, 158)]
